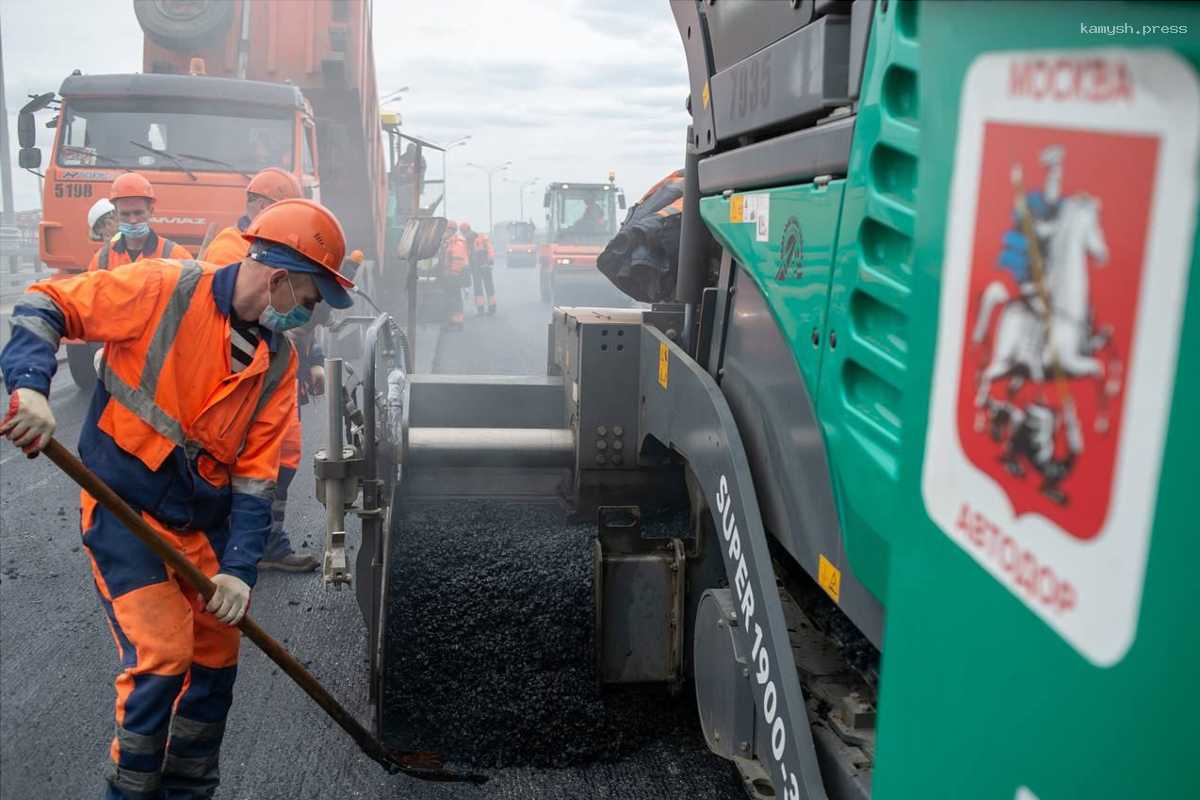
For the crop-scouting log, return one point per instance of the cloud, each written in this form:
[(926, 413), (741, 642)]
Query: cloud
[(455, 118), (564, 90), (624, 18), (632, 74)]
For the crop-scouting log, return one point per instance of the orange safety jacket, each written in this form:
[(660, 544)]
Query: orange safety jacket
[(485, 254), (114, 253), (171, 428), (229, 245), (454, 255)]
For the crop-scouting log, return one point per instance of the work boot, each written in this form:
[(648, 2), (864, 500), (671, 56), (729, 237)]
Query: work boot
[(492, 310), (292, 562), (479, 310)]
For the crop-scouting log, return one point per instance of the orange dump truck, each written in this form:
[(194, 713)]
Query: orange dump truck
[(229, 87)]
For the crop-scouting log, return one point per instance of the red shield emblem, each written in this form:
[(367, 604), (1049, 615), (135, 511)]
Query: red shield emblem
[(1067, 252), (1058, 255)]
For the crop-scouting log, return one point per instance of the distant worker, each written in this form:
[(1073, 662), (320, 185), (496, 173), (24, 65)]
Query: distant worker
[(230, 246), (102, 220), (453, 261), (408, 174), (278, 553), (483, 259), (133, 197), (197, 390), (267, 187)]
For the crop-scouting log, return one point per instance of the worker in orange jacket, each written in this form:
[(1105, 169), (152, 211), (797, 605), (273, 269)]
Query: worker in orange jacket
[(198, 387), (229, 246), (278, 553), (133, 196), (269, 186), (453, 262), (482, 258)]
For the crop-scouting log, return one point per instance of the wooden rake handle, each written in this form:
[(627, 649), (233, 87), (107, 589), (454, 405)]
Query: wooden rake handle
[(422, 765)]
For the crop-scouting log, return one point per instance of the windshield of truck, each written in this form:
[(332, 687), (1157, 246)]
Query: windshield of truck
[(108, 132), (586, 215)]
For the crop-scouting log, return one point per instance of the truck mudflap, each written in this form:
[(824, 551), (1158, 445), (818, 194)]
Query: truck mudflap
[(683, 409)]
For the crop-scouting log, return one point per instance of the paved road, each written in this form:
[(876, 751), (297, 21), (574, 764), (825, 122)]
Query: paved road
[(513, 342), (57, 658)]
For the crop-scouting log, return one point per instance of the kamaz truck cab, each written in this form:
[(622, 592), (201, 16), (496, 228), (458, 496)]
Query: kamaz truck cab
[(196, 139), (580, 220)]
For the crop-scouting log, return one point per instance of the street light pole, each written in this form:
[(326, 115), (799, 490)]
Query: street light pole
[(521, 187), (490, 171), (445, 177), (524, 186)]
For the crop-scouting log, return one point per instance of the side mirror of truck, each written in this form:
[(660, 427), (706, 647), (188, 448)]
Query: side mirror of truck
[(26, 129), (422, 237), (621, 200), (546, 200), (26, 124), (29, 157)]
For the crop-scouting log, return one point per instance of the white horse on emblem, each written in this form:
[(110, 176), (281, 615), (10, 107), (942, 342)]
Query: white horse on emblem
[(1023, 341)]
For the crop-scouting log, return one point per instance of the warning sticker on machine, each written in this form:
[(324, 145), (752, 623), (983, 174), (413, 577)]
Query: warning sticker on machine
[(755, 209), (1074, 173), (830, 578)]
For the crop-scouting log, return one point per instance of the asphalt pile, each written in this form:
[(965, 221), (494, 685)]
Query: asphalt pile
[(491, 659)]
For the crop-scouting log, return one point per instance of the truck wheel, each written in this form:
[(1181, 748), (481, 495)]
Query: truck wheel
[(79, 361), (544, 285), (184, 25)]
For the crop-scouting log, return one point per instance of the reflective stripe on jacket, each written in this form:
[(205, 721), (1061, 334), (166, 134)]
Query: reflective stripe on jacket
[(171, 428), (113, 253)]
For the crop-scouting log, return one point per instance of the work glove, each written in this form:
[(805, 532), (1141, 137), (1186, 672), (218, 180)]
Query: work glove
[(96, 359), (229, 602), (30, 422)]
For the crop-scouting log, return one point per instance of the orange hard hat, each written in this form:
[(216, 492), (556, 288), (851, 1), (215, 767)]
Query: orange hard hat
[(130, 184), (311, 230), (464, 226), (356, 256), (275, 184)]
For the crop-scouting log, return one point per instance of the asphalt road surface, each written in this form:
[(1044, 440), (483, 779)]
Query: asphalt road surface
[(57, 659)]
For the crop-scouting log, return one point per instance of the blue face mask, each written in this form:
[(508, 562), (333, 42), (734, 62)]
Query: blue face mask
[(134, 230), (272, 319)]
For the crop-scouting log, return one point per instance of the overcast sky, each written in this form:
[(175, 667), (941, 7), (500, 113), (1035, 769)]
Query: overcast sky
[(565, 89)]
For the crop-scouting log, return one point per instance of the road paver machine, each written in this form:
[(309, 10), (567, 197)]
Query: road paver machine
[(924, 389)]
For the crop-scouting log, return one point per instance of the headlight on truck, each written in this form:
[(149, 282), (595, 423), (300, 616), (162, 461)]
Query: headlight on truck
[(562, 261)]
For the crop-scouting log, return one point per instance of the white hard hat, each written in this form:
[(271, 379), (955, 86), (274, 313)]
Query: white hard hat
[(99, 209)]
